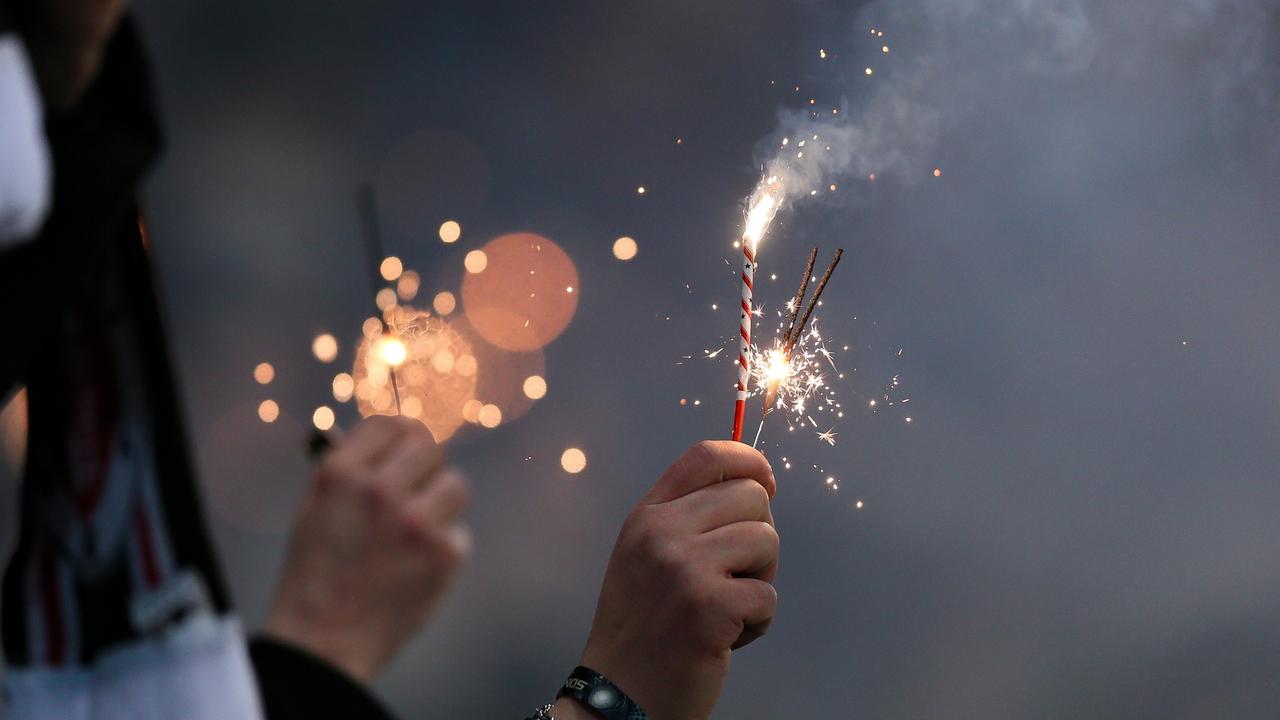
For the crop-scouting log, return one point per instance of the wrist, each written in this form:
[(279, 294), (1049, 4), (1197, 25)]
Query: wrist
[(331, 648), (570, 709)]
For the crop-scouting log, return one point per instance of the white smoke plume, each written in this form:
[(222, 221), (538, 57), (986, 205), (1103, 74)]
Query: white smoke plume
[(950, 58)]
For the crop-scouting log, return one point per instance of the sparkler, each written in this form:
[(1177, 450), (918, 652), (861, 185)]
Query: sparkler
[(761, 211), (390, 348), (780, 357)]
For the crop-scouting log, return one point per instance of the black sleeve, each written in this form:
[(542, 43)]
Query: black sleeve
[(295, 685)]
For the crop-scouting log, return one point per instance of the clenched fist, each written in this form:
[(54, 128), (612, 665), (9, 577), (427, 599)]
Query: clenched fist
[(689, 581), (375, 545)]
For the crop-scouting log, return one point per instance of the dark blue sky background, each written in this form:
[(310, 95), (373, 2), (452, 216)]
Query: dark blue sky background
[(1079, 521)]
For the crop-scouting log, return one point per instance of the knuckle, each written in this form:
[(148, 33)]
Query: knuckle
[(759, 496), (766, 534), (702, 452)]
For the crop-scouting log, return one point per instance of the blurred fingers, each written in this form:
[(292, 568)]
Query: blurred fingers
[(442, 502), (410, 463), (369, 441)]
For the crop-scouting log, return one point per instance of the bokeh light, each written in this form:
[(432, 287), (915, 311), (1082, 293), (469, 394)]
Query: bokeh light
[(325, 347), (391, 268), (323, 417), (490, 416), (500, 373), (386, 299), (624, 248), (264, 373), (408, 285), (444, 302), (432, 387), (268, 411), (471, 410), (450, 231), (343, 387), (573, 461), (535, 387), (371, 327), (475, 261), (521, 302)]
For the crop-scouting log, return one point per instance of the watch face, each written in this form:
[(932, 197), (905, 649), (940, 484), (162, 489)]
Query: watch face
[(602, 698)]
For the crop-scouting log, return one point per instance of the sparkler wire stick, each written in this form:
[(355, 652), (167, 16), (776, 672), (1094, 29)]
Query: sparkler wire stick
[(366, 206), (795, 330), (813, 302), (799, 299)]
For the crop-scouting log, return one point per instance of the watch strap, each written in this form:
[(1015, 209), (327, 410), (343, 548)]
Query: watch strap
[(596, 693)]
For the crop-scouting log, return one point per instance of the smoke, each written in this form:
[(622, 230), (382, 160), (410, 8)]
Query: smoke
[(949, 59)]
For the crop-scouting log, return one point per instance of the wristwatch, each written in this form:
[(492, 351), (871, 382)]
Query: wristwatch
[(597, 694)]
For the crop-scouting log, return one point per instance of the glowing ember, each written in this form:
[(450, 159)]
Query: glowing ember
[(435, 372), (390, 350), (800, 382)]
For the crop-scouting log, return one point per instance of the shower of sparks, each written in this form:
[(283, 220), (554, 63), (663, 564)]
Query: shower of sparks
[(802, 387), (764, 205)]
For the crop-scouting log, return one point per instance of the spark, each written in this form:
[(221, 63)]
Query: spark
[(764, 206), (799, 380), (829, 437)]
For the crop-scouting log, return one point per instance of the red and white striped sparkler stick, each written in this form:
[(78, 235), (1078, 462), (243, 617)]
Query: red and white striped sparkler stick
[(764, 205)]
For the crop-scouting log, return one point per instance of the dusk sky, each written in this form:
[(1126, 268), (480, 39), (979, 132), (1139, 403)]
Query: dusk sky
[(1067, 262)]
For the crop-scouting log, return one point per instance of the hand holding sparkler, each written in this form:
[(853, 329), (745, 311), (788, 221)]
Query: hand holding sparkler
[(375, 544), (690, 580)]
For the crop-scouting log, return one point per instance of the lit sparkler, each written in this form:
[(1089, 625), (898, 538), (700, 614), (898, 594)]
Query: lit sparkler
[(762, 208), (794, 334)]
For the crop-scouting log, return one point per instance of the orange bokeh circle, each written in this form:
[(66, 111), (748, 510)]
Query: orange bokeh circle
[(526, 294)]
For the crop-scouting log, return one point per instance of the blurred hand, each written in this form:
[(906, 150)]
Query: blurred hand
[(66, 40), (689, 580), (375, 545)]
